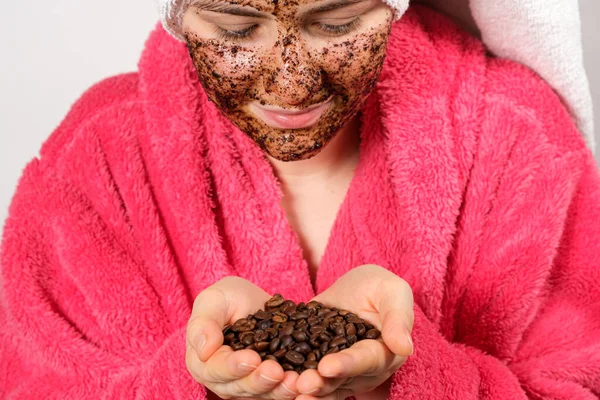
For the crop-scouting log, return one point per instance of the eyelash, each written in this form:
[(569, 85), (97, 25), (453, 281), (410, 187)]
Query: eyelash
[(332, 30)]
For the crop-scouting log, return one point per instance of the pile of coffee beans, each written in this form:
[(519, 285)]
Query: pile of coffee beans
[(297, 335)]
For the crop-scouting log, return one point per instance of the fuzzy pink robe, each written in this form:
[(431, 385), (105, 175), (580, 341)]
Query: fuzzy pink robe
[(473, 185)]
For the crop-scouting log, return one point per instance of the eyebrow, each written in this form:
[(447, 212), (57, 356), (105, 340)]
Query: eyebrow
[(228, 8)]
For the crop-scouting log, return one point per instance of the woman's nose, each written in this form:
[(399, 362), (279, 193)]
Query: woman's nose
[(292, 74)]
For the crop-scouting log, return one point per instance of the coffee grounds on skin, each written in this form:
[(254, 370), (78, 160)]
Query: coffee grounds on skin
[(234, 75)]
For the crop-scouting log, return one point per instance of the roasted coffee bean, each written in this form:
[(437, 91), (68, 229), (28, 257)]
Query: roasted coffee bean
[(288, 310), (303, 348), (311, 357), (274, 345), (288, 303), (274, 301), (299, 315), (230, 337), (262, 354), (247, 339), (302, 324), (369, 326), (299, 336), (311, 364), (226, 329), (315, 343), (271, 357), (317, 354), (355, 320), (313, 304), (261, 346), (237, 346), (332, 350), (360, 330), (285, 341), (287, 367), (350, 329), (280, 353), (324, 347), (372, 334), (251, 347), (339, 330), (301, 305), (262, 314), (343, 313), (338, 341), (264, 324), (317, 329), (330, 314), (295, 358), (288, 330), (325, 337), (279, 317), (323, 311), (313, 320), (351, 339), (260, 336), (272, 332)]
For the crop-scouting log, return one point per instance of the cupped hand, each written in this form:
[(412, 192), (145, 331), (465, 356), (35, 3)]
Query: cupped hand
[(384, 300), (227, 373)]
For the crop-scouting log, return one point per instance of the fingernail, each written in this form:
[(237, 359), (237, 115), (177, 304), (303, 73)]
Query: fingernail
[(410, 342), (246, 367), (200, 344), (268, 379)]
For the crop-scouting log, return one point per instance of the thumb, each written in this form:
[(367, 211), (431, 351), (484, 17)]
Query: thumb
[(397, 316), (209, 316)]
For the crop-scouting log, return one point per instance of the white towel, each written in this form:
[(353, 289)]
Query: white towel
[(545, 35)]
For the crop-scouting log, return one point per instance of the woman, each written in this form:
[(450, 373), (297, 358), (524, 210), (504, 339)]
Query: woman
[(318, 150)]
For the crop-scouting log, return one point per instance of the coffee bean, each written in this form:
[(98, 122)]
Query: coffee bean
[(316, 329), (273, 333), (288, 310), (251, 347), (330, 314), (262, 314), (302, 324), (275, 301), (287, 367), (271, 357), (288, 303), (317, 354), (280, 353), (311, 364), (294, 357), (261, 336), (299, 315), (372, 334), (323, 311), (229, 337), (343, 313), (360, 330), (337, 341), (350, 329), (247, 339), (324, 347), (261, 346), (332, 350), (226, 329), (303, 348), (279, 317), (264, 324), (274, 345), (287, 330), (285, 341), (355, 320), (237, 346), (339, 330), (325, 337), (351, 339), (311, 357), (299, 336), (262, 354)]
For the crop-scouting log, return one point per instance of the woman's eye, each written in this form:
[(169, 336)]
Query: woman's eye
[(338, 30), (235, 35)]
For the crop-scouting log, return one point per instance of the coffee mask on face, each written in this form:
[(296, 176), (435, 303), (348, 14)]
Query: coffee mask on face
[(291, 74)]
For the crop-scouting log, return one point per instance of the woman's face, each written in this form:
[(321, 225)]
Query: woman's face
[(288, 73)]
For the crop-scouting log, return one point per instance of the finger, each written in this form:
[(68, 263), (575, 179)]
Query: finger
[(227, 365), (364, 358), (340, 394), (261, 381), (287, 388), (395, 305), (204, 331), (311, 382)]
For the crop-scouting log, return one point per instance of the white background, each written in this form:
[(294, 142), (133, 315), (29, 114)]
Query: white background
[(53, 50)]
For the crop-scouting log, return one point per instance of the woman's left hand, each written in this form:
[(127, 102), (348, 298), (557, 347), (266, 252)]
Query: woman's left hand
[(386, 301)]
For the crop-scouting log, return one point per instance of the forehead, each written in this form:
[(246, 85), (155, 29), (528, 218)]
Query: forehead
[(273, 6)]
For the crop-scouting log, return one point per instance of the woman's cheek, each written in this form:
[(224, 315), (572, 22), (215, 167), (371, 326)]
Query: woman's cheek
[(228, 73)]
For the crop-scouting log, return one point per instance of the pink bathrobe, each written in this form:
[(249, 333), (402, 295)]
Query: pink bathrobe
[(473, 185)]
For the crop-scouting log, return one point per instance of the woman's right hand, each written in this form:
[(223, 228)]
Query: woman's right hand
[(228, 373)]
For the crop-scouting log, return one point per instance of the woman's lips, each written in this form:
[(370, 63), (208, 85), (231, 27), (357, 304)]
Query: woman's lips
[(289, 119)]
